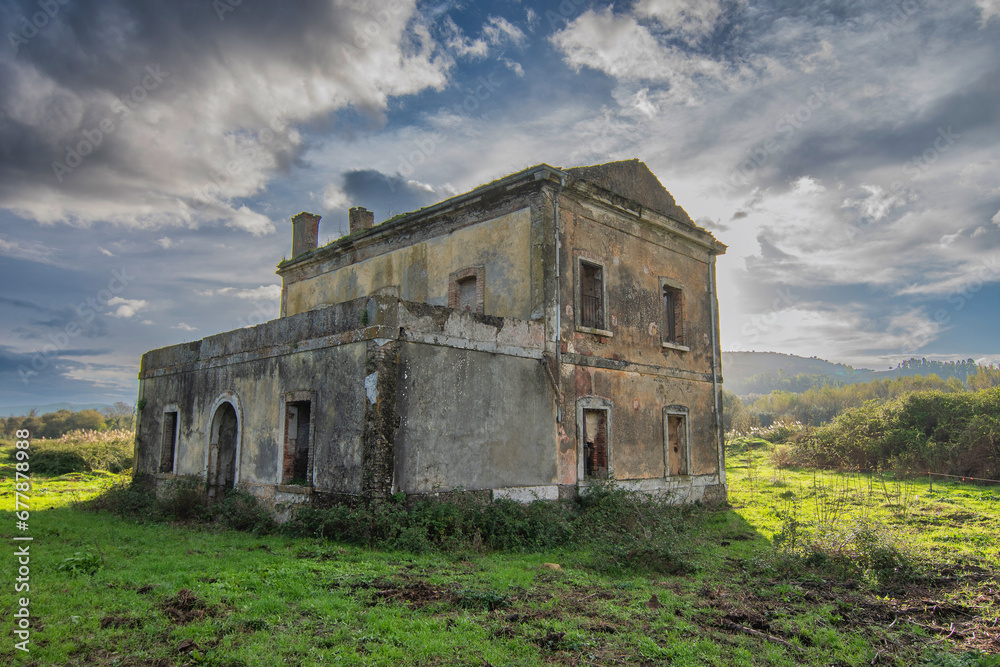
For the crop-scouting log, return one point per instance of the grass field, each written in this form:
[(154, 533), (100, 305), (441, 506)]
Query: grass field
[(915, 584)]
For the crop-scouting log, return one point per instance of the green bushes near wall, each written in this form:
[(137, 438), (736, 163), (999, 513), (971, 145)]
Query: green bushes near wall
[(622, 530)]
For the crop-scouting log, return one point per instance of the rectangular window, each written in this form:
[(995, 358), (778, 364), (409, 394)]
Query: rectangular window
[(676, 444), (168, 442), (672, 328), (467, 290), (673, 301), (595, 443), (297, 460), (467, 294), (591, 296)]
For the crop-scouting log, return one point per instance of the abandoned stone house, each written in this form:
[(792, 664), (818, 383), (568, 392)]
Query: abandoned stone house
[(543, 331)]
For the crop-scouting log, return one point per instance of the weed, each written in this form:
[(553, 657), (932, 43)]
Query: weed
[(81, 562), (239, 510), (184, 500), (488, 600), (965, 659)]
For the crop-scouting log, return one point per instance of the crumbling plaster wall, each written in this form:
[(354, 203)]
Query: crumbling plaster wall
[(322, 351), (501, 244), (474, 420), (260, 386), (635, 256), (630, 367)]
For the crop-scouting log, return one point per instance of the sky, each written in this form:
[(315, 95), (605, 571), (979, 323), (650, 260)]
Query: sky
[(152, 154)]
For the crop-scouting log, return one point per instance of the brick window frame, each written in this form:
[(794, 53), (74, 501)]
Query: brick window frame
[(678, 340), (285, 456), (677, 450), (584, 405), (169, 442), (578, 298), (455, 277)]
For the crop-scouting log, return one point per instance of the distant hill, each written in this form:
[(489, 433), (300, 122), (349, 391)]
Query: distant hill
[(23, 410), (747, 373)]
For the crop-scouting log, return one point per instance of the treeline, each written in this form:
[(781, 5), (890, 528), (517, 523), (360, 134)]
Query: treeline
[(55, 424), (952, 433), (819, 405), (765, 383)]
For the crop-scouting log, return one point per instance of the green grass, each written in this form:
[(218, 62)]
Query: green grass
[(189, 593)]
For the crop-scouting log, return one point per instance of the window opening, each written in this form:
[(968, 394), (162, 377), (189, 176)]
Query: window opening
[(676, 445), (467, 294), (591, 296), (673, 315), (595, 447), (295, 469), (168, 442)]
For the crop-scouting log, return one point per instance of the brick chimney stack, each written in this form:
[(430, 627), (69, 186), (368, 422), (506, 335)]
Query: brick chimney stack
[(305, 233), (360, 218)]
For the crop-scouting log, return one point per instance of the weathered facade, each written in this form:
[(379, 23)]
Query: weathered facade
[(546, 330)]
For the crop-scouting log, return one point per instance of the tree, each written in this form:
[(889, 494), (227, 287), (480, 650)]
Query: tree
[(119, 415), (87, 420)]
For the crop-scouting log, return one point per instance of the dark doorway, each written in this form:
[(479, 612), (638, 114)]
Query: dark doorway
[(595, 439), (296, 461), (168, 442), (222, 450), (676, 445)]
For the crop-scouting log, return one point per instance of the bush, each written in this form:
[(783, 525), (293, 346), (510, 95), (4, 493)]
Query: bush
[(956, 434), (134, 500), (183, 500), (82, 451), (239, 510), (626, 530)]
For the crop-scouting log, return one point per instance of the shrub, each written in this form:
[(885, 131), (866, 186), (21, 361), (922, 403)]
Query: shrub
[(239, 510), (134, 500), (183, 500), (626, 530), (82, 451), (950, 433), (82, 562)]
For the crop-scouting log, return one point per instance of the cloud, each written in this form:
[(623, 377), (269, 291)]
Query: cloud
[(30, 251), (125, 308), (264, 292), (198, 114), (627, 50), (877, 203), (996, 219), (184, 327), (384, 193), (166, 243), (463, 47), (694, 19), (499, 30), (21, 303), (988, 9), (106, 252)]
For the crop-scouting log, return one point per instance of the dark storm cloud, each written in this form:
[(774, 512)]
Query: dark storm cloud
[(21, 303), (160, 113), (969, 116), (392, 194)]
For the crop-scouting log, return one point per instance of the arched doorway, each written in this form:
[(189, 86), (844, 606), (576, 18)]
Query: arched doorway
[(223, 449)]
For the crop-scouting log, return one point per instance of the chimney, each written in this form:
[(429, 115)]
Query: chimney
[(305, 233), (360, 218)]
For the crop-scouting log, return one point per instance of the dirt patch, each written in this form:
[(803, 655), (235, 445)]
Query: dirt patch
[(948, 612), (186, 607), (415, 594), (120, 622)]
